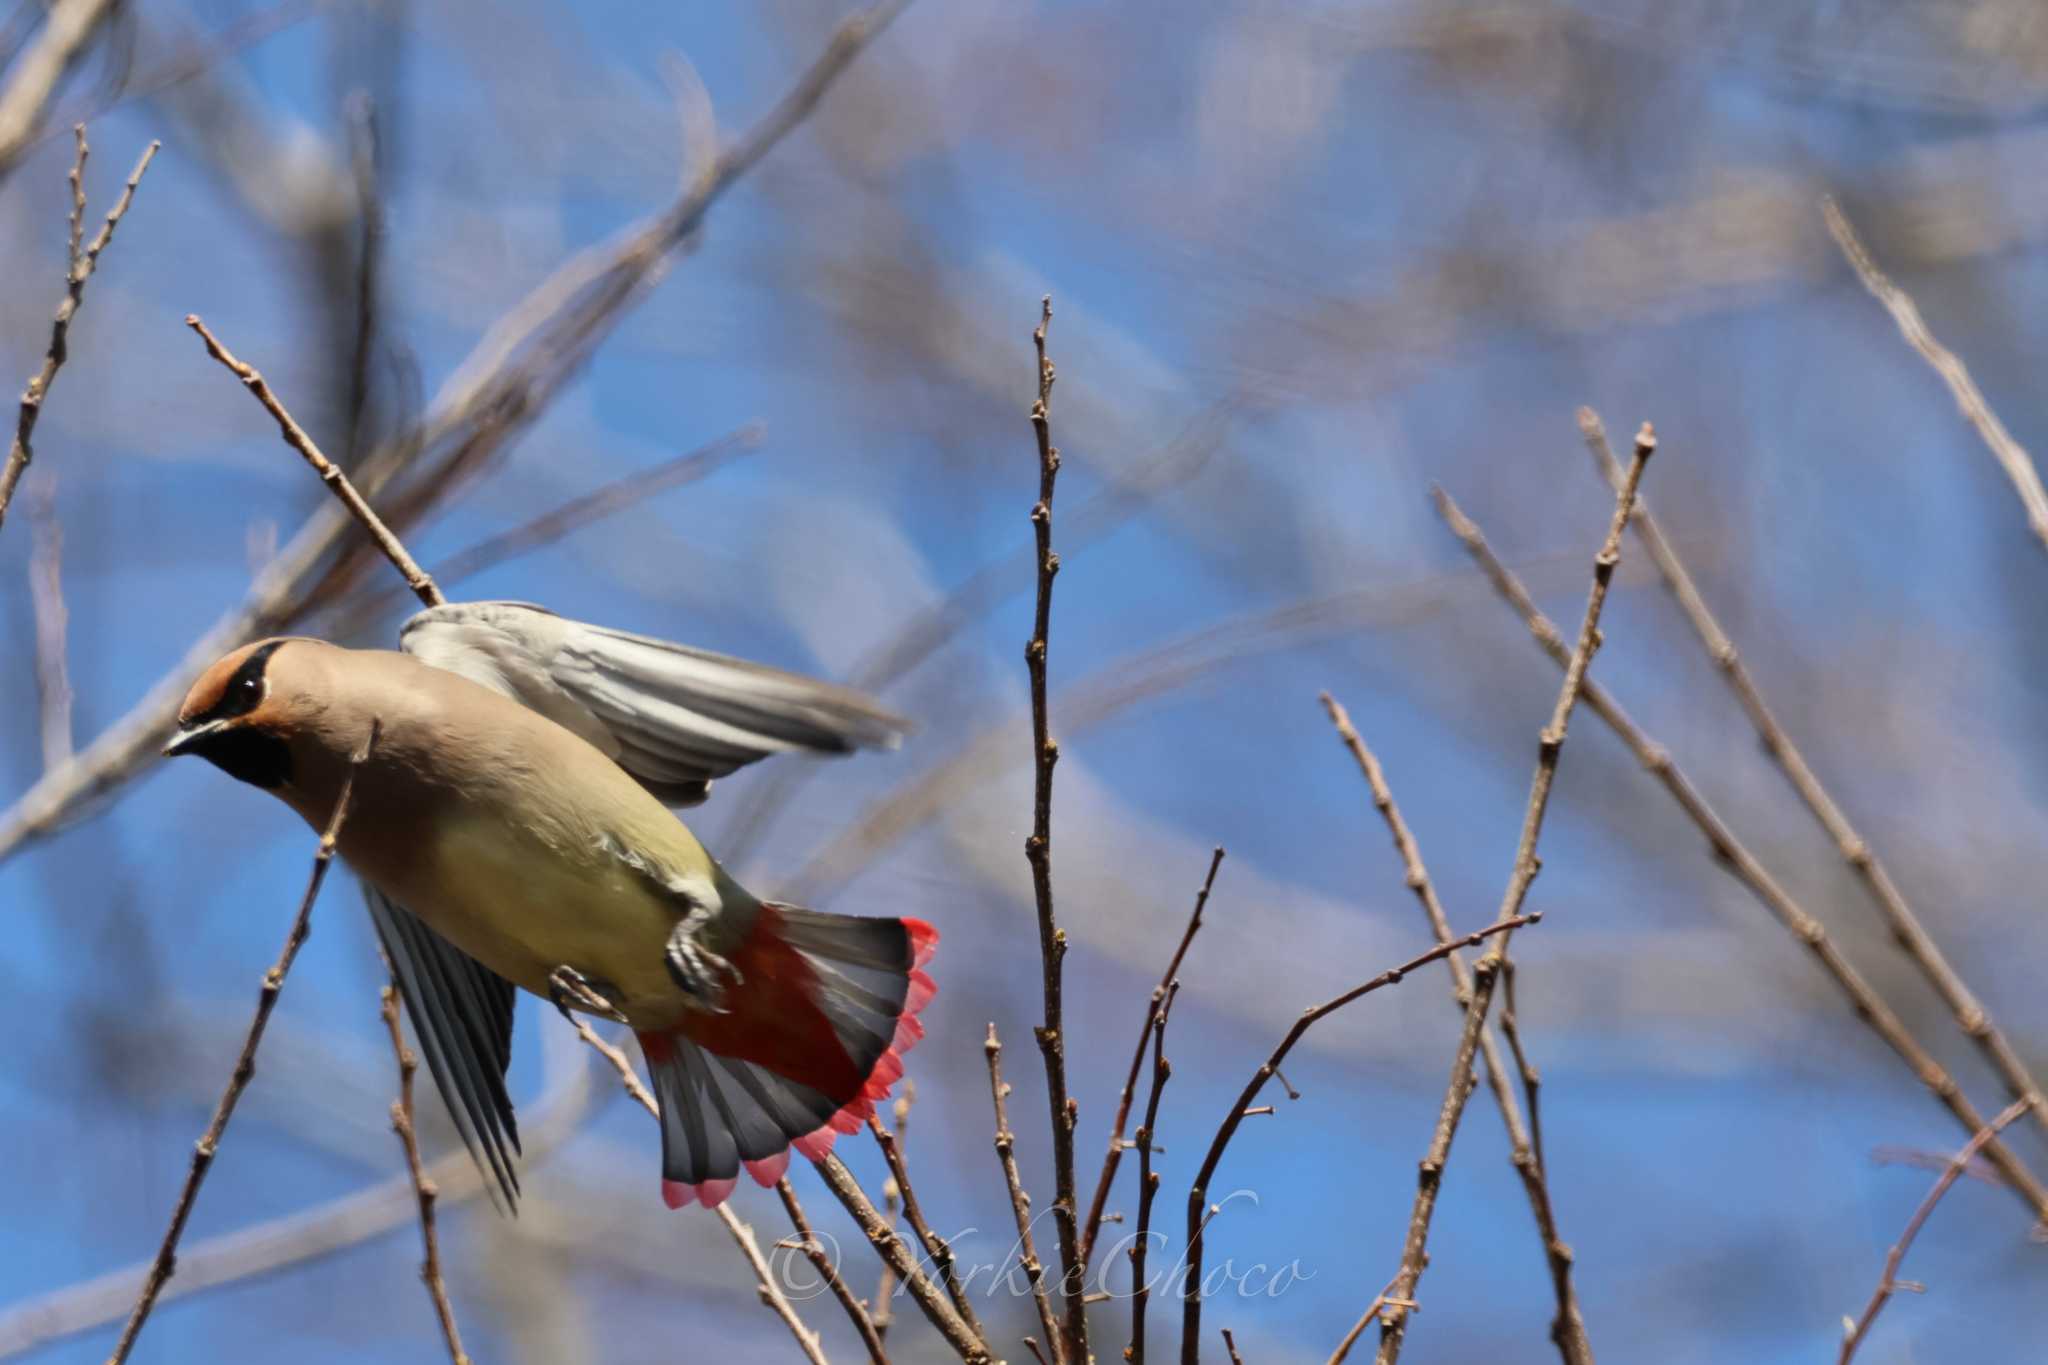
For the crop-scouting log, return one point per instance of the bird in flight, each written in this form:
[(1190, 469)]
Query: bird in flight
[(511, 827)]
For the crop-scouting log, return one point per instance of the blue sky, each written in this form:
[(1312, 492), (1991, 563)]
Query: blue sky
[(1375, 248)]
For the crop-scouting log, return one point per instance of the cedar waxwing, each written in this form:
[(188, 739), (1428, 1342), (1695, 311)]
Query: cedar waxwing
[(510, 828)]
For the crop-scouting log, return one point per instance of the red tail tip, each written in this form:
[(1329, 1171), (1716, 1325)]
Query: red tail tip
[(924, 941), (709, 1193)]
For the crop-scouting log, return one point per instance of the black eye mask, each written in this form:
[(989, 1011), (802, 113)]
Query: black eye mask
[(244, 690), (247, 755)]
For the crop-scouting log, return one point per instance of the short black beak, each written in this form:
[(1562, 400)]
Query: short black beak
[(185, 741)]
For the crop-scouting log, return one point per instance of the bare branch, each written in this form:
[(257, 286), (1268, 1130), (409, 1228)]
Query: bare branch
[(298, 1238), (1135, 678), (771, 1293), (928, 631), (77, 179), (1148, 1179), (422, 1184), (77, 271), (1020, 1202), (1525, 1152), (1907, 929), (566, 519), (1888, 1283), (1740, 863), (1199, 1211), (742, 1235), (1072, 1344), (337, 482), (2010, 454), (1414, 1255), (807, 1242), (935, 1246), (1154, 1013), (1365, 1319), (885, 1278), (245, 1065), (890, 1244)]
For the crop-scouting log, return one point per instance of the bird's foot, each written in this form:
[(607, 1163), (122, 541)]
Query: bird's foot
[(697, 969), (568, 987)]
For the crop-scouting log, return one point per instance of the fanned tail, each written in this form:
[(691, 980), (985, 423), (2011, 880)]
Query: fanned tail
[(812, 1037)]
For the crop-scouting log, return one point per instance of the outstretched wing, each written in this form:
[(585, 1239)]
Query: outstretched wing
[(461, 1012), (672, 716)]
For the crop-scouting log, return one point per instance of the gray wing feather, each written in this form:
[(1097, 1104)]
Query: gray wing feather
[(461, 1012), (673, 716)]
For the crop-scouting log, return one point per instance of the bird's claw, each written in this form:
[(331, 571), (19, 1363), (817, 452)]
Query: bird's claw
[(697, 969), (568, 987)]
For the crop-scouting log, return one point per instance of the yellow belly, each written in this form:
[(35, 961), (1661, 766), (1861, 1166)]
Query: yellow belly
[(523, 906), (524, 847)]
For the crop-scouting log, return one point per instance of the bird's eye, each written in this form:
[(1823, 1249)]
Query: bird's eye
[(251, 686)]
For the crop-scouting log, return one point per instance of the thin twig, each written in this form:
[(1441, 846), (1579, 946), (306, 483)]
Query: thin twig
[(742, 1235), (1740, 863), (1365, 1320), (337, 482), (166, 1261), (807, 1242), (1525, 1152), (890, 1244), (628, 1077), (1907, 929), (552, 525), (1532, 1080), (77, 271), (926, 632), (885, 1281), (807, 1338), (1550, 744), (1052, 941), (1020, 1202), (2010, 454), (77, 178), (1230, 1345), (301, 1237), (422, 1184), (52, 623), (1888, 1283), (937, 1247), (1924, 1160), (1199, 1211), (1091, 1225), (1148, 1179), (1131, 680)]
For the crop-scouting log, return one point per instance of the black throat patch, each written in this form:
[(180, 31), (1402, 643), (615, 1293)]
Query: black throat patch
[(248, 755)]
